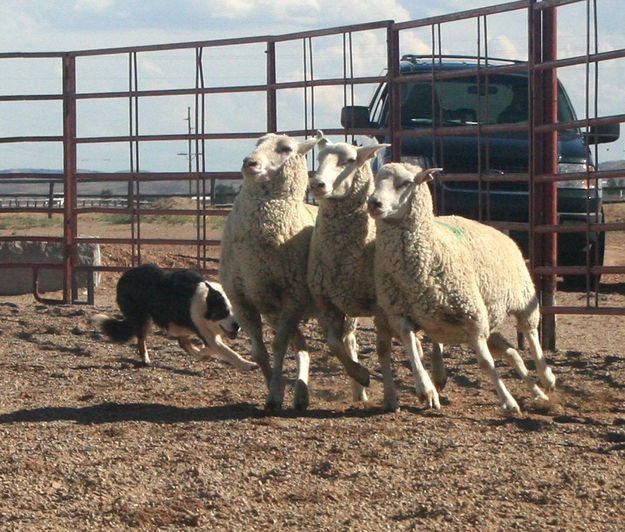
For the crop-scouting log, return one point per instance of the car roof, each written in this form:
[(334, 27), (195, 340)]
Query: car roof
[(411, 63)]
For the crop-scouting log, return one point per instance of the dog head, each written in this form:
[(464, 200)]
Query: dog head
[(219, 310)]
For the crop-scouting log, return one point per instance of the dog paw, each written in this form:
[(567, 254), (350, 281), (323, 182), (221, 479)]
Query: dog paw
[(247, 366)]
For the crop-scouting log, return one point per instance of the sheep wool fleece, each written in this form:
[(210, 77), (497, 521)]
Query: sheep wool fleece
[(265, 242), (451, 275), (340, 267)]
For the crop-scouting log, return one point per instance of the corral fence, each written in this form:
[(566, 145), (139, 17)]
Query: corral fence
[(181, 117)]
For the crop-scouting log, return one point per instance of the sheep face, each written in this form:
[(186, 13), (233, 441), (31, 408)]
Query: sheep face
[(338, 164), (270, 154), (395, 184)]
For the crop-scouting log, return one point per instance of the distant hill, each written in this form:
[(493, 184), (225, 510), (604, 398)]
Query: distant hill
[(26, 188)]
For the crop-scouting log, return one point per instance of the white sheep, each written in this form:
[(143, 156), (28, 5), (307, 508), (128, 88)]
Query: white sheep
[(340, 265), (455, 278), (264, 258)]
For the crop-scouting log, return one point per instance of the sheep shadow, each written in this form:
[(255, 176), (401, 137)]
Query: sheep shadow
[(113, 412)]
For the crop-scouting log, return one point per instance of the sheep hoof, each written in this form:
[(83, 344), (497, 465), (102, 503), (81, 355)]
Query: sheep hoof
[(539, 395), (548, 380), (273, 405), (431, 400), (391, 406), (302, 396), (440, 381), (428, 395), (274, 400), (511, 407)]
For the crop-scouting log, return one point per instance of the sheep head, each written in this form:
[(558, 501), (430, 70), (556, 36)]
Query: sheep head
[(271, 153), (338, 165), (395, 184)]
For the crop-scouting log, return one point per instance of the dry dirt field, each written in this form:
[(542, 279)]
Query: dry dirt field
[(91, 440)]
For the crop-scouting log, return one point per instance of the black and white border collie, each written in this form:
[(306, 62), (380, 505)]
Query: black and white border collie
[(182, 303)]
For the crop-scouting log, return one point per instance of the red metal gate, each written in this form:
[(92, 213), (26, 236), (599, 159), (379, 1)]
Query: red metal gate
[(329, 73)]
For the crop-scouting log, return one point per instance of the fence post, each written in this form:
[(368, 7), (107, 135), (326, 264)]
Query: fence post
[(69, 173), (543, 41), (272, 122), (394, 92)]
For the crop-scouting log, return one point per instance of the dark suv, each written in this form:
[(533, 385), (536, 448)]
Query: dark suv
[(498, 98)]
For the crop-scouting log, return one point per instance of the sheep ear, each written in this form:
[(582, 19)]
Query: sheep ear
[(322, 141), (368, 152), (426, 175), (306, 145)]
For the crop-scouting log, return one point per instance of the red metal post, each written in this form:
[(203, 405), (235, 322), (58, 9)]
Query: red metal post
[(543, 43), (394, 92), (272, 120), (70, 222)]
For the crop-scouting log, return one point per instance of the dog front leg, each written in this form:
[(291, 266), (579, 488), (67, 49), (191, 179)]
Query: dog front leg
[(216, 347), (185, 343)]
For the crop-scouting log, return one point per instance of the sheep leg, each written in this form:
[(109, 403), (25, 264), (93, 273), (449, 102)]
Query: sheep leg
[(546, 376), (424, 388), (439, 372), (383, 347), (334, 323), (487, 364), (342, 342), (250, 321), (351, 347), (287, 324), (500, 347), (301, 398)]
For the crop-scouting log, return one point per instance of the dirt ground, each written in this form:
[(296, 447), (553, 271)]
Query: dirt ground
[(91, 440)]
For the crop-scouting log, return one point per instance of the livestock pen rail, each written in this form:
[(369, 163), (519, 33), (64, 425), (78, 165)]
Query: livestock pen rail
[(130, 122)]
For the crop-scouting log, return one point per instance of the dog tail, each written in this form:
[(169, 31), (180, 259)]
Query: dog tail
[(117, 330)]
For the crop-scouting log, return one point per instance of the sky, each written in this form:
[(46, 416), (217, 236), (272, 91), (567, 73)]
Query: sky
[(62, 25)]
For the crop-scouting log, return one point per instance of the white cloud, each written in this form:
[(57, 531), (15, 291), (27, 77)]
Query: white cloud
[(92, 5), (321, 12)]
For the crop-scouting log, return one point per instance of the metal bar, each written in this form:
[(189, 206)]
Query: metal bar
[(574, 124), (70, 258), (549, 165), (40, 138), (582, 59), (147, 241), (471, 13), (150, 176), (600, 311), (29, 97), (394, 95), (542, 39), (272, 120), (206, 44)]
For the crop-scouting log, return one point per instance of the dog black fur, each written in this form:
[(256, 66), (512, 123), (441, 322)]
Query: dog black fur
[(181, 302)]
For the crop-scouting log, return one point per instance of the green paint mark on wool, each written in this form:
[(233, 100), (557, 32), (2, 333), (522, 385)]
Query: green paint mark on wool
[(453, 228)]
